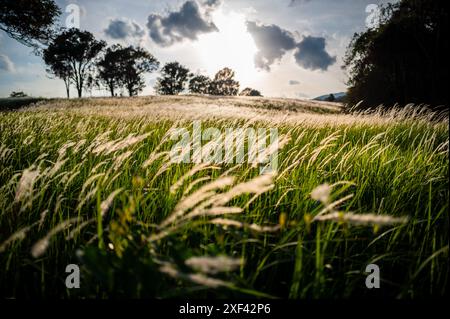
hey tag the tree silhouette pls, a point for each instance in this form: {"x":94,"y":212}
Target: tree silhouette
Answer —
{"x":173,"y":79}
{"x":250,"y":92}
{"x":224,"y":83}
{"x":125,"y":67}
{"x":108,"y":68}
{"x":199,"y":84}
{"x":73,"y":51}
{"x":17,"y":94}
{"x":60,"y":69}
{"x":404,"y":60}
{"x":29,"y":21}
{"x":133,"y":63}
{"x":331,"y":98}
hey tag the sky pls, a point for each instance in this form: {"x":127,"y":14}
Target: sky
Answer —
{"x":283,"y":48}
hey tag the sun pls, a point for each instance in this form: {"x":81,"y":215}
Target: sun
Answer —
{"x":232,"y":46}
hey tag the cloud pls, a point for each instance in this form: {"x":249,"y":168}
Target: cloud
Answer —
{"x":311,"y":54}
{"x":121,"y":29}
{"x":6,"y":64}
{"x":294,"y":82}
{"x":212,"y":4}
{"x":188,"y":22}
{"x":272,"y":42}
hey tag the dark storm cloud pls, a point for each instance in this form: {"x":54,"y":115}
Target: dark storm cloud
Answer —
{"x":186,"y":23}
{"x":311,"y":54}
{"x":272,"y":43}
{"x":122,"y":29}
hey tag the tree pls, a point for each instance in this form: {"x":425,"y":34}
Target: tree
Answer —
{"x":133,"y":63}
{"x":199,"y":84}
{"x":109,"y":68}
{"x":60,"y":69}
{"x":91,"y":83}
{"x":224,"y":83}
{"x":173,"y":79}
{"x":74,"y":51}
{"x":15,"y":94}
{"x":250,"y":92}
{"x":29,"y":21}
{"x":331,"y":98}
{"x":404,"y":60}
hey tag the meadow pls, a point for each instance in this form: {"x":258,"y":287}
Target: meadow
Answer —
{"x":89,"y":182}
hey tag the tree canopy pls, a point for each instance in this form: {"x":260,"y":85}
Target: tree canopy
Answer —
{"x":16,"y":94}
{"x":250,"y":92}
{"x":73,"y":51}
{"x":108,"y":68}
{"x":199,"y":84}
{"x":403,"y":60}
{"x":331,"y":98}
{"x":224,"y":83}
{"x":174,"y":77}
{"x":29,"y":21}
{"x":134,"y":62}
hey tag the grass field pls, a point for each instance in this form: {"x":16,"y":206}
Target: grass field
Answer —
{"x":89,"y":182}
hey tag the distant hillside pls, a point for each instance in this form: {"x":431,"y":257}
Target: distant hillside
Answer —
{"x":338,"y":96}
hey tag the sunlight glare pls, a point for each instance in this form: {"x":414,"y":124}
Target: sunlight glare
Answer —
{"x":231,"y":47}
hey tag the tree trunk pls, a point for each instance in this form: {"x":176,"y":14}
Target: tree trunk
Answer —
{"x":67,"y":83}
{"x":80,"y":85}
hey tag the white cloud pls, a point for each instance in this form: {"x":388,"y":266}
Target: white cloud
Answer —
{"x":6,"y":64}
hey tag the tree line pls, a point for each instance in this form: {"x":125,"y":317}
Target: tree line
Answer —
{"x":402,"y":60}
{"x":79,"y":59}
{"x":82,"y":61}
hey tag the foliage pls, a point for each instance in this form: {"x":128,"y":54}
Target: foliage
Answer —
{"x":17,"y":94}
{"x":250,"y":92}
{"x":174,"y":77}
{"x":134,"y":63}
{"x":109,"y":70}
{"x":29,"y":21}
{"x":125,"y":67}
{"x":224,"y":83}
{"x":60,"y":69}
{"x":71,"y":56}
{"x":199,"y":84}
{"x":404,"y":60}
{"x":331,"y":98}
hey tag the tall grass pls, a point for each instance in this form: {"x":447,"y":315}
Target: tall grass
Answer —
{"x":89,"y":182}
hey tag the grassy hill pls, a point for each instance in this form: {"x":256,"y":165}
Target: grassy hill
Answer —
{"x":92,"y":182}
